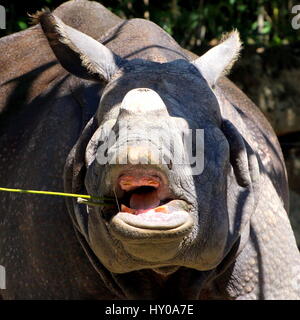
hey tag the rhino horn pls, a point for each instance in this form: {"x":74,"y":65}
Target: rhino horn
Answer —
{"x":143,"y":101}
{"x":218,"y":61}
{"x":77,"y":52}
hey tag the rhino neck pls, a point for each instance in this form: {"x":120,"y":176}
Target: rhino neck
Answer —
{"x":142,"y":39}
{"x":186,"y":284}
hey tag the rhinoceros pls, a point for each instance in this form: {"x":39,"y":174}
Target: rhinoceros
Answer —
{"x":93,"y":104}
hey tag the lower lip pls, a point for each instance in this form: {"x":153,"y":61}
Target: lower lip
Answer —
{"x":151,"y":226}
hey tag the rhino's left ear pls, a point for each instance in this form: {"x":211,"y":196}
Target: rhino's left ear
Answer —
{"x":77,"y":52}
{"x":219,"y":60}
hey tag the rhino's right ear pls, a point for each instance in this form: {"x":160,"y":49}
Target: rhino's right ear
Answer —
{"x":77,"y":52}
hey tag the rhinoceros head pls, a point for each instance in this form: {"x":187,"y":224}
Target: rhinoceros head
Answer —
{"x":158,"y":144}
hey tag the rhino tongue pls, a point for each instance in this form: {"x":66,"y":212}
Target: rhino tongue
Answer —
{"x":147,"y":200}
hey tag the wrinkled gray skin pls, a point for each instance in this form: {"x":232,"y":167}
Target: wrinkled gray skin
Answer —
{"x":232,"y":238}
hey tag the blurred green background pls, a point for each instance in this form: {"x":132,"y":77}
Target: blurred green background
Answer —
{"x":193,"y":24}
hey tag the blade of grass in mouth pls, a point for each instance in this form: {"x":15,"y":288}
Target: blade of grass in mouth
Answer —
{"x":93,"y":200}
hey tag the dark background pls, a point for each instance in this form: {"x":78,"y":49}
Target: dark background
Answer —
{"x":268,"y":70}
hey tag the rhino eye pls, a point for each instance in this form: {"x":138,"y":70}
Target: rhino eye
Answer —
{"x":170,"y":165}
{"x":106,"y":152}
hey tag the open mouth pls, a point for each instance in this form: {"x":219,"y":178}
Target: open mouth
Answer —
{"x":142,"y":194}
{"x":147,"y":207}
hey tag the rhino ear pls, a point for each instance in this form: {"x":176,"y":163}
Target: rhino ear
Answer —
{"x":219,"y":60}
{"x":77,"y":52}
